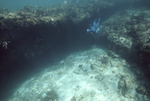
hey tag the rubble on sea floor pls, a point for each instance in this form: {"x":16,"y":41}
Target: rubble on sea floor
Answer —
{"x":94,"y":75}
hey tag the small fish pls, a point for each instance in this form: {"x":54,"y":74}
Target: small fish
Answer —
{"x":95,"y":27}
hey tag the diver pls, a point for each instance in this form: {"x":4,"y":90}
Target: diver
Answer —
{"x":94,"y":28}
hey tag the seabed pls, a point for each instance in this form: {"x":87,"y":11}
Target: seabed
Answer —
{"x":92,"y":75}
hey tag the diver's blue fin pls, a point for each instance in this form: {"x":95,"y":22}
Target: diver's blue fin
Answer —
{"x":89,"y":30}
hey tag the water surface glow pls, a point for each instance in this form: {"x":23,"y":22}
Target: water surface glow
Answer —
{"x":18,"y":4}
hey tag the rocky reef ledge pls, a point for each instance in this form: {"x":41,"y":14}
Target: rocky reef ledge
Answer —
{"x":33,"y":31}
{"x":129,"y":34}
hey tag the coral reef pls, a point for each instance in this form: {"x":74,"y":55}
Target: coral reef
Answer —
{"x":128,"y":33}
{"x":32,"y":31}
{"x":36,"y":34}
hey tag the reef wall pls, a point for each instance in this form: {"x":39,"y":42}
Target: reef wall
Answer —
{"x":128,"y":34}
{"x":33,"y":31}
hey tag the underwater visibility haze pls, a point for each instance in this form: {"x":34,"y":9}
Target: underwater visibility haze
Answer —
{"x":74,"y":50}
{"x":19,"y":4}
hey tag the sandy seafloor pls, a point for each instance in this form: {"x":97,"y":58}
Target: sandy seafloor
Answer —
{"x":92,"y":75}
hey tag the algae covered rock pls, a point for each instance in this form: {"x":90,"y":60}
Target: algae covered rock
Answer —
{"x":50,"y":96}
{"x":128,"y":33}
